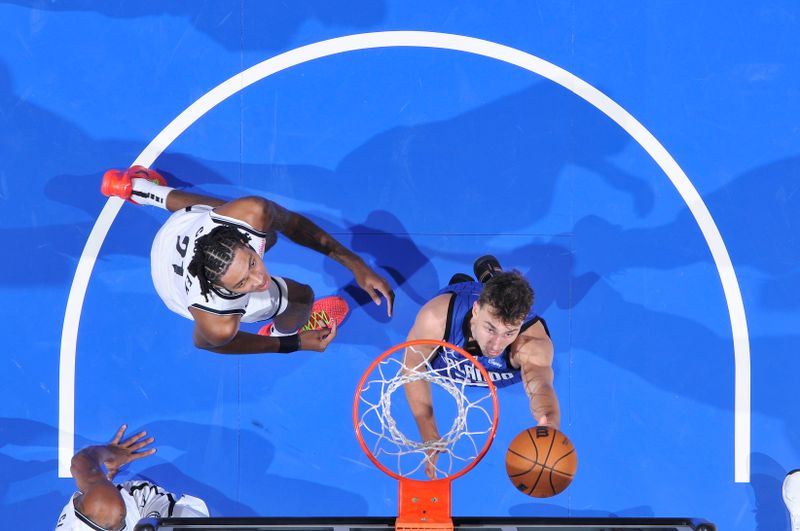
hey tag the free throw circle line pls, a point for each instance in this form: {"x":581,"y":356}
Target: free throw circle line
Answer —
{"x":421,"y":39}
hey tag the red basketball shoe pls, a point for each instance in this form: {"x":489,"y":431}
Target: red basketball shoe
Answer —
{"x":324,"y":311}
{"x":119,"y":183}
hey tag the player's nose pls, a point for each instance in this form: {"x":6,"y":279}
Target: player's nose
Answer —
{"x":261,"y":279}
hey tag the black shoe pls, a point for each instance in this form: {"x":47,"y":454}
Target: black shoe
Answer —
{"x":485,"y":267}
{"x":459,"y":278}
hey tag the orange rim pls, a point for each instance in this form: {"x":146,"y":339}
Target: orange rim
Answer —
{"x":386,"y":354}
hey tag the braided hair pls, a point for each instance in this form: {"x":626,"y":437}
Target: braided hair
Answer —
{"x":213,"y":254}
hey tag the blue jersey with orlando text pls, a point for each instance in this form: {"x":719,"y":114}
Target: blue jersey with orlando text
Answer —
{"x":457,"y":332}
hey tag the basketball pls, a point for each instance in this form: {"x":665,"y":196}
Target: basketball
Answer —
{"x":541,"y":462}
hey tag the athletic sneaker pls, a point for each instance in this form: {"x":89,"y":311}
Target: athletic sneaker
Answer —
{"x":485,"y":267}
{"x":119,"y":183}
{"x":791,"y":497}
{"x":324,"y":311}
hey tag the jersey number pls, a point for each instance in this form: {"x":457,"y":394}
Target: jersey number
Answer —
{"x":182,"y":246}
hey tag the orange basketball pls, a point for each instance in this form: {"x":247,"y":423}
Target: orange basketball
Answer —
{"x":541,"y":462}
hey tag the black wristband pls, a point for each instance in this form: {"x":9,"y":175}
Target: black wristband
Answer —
{"x":288,"y":343}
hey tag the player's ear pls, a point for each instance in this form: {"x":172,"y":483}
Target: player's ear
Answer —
{"x":475,"y":307}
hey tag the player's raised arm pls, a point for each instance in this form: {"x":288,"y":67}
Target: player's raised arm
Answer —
{"x":429,"y":324}
{"x":222,"y":335}
{"x":99,"y":499}
{"x":533,"y":350}
{"x":305,"y":232}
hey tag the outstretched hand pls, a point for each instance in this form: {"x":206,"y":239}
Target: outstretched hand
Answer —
{"x":318,"y":340}
{"x":373,"y":283}
{"x":120,"y":454}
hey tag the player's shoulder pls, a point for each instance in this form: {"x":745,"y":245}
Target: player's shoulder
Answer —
{"x":432,"y":317}
{"x":437,"y":306}
{"x":533,"y":346}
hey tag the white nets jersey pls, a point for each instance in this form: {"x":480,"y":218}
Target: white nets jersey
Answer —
{"x":172,"y":252}
{"x":142,"y":499}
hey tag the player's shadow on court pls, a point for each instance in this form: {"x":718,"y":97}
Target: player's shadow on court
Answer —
{"x":383,"y":236}
{"x":36,"y":509}
{"x":61,"y":191}
{"x":47,"y":227}
{"x":548,"y":265}
{"x":21,"y":436}
{"x":510,"y":154}
{"x":763,"y":239}
{"x":234,"y":24}
{"x":493,"y":169}
{"x":51,"y":261}
{"x":382,"y":240}
{"x":31,"y":493}
{"x":766,"y":480}
{"x":240,"y":459}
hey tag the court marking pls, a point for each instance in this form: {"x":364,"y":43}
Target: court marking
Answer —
{"x":420,"y":39}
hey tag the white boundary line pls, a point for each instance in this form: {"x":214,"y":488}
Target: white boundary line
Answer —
{"x":420,"y":39}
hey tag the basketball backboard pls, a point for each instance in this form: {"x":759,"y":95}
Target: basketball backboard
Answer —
{"x":460,"y":523}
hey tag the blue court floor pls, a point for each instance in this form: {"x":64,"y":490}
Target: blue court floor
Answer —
{"x":638,"y":161}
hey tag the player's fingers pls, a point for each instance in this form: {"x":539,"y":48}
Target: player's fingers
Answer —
{"x":141,"y":444}
{"x":543,"y":420}
{"x":388,"y":294}
{"x":139,"y":455}
{"x":373,"y":291}
{"x":328,"y":338}
{"x":130,"y":440}
{"x":118,"y":435}
{"x":430,"y":466}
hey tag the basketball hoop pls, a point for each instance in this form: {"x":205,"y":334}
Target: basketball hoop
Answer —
{"x":382,"y":432}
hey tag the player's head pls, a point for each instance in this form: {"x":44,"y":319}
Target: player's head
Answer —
{"x":498,"y":313}
{"x":222,"y":258}
{"x":101,"y":507}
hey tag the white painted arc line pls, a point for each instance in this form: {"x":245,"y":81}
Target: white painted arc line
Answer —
{"x":491,"y":50}
{"x":69,"y":334}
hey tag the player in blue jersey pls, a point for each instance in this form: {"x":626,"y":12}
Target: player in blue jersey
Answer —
{"x":492,"y":319}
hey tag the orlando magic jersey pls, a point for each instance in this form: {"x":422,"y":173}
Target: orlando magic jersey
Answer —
{"x":457,"y":332}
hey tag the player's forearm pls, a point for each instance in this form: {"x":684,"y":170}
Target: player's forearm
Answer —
{"x":544,"y":402}
{"x":418,"y":395}
{"x":305,"y":232}
{"x":244,"y":343}
{"x":86,"y":467}
{"x":426,"y":424}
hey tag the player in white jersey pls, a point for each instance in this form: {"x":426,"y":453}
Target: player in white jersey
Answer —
{"x":207,"y":265}
{"x":100,"y":505}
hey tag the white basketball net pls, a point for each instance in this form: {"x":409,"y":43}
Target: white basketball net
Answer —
{"x":407,"y":454}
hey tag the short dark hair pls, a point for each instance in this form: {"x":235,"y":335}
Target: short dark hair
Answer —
{"x":509,"y":294}
{"x":213,"y":254}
